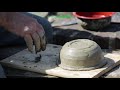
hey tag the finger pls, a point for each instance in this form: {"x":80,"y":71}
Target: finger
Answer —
{"x":37,"y":42}
{"x":29,"y":42}
{"x":44,"y":43}
{"x":43,"y":40}
{"x":41,"y":33}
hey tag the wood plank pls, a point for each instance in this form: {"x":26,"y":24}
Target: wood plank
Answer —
{"x":17,"y":73}
{"x":115,"y":73}
{"x":47,"y":65}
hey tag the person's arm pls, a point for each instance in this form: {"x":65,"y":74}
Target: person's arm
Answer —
{"x":3,"y":18}
{"x":26,"y":27}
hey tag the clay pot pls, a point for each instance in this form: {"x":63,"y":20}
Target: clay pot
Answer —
{"x":94,"y":20}
{"x":81,"y":54}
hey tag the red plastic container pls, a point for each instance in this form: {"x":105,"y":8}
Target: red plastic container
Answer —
{"x":94,"y":20}
{"x":93,"y":15}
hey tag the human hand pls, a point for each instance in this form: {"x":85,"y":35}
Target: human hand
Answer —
{"x":29,"y":29}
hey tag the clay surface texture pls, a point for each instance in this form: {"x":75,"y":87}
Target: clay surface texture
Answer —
{"x":81,"y":54}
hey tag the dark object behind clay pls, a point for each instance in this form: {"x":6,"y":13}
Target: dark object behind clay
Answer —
{"x":94,"y":24}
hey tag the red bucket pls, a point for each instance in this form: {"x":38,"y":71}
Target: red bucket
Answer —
{"x":94,"y":20}
{"x":93,"y":15}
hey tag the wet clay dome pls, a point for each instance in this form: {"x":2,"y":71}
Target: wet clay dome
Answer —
{"x":81,"y":54}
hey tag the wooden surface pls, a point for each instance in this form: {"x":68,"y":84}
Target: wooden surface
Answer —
{"x":47,"y":65}
{"x":115,"y":72}
{"x":17,"y":73}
